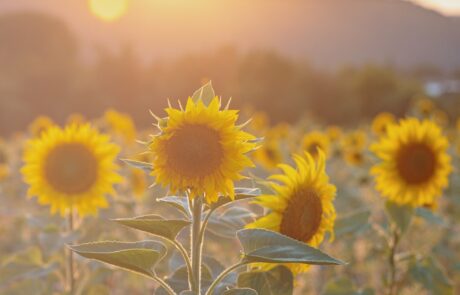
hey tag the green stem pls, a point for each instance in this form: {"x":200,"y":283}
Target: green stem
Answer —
{"x":183,"y":252}
{"x":222,"y":276}
{"x":70,"y":262}
{"x":196,"y":244}
{"x":392,"y":262}
{"x":204,"y":225}
{"x":165,"y":286}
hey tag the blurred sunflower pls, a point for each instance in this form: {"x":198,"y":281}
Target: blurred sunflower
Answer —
{"x":121,"y":125}
{"x":39,"y":125}
{"x":268,"y":154}
{"x":302,"y":206}
{"x":355,"y":140}
{"x":75,"y":118}
{"x":354,"y":157}
{"x":415,"y":165}
{"x":260,"y":122}
{"x":71,"y":168}
{"x":315,"y":140}
{"x":425,"y":107}
{"x":138,"y":182}
{"x":334,"y":133}
{"x":381,"y":122}
{"x":200,"y":150}
{"x":4,"y":167}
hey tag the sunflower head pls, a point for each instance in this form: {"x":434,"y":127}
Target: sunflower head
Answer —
{"x":269,"y":154}
{"x":121,"y":125}
{"x":302,"y":204}
{"x":355,"y":140}
{"x":200,"y":150}
{"x":39,"y":125}
{"x":334,"y":133}
{"x":71,"y":168}
{"x":354,"y":157}
{"x":425,"y":107}
{"x":381,"y":122}
{"x":414,"y":165}
{"x":314,"y":141}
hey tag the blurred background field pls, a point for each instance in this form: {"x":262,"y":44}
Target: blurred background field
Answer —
{"x":295,"y":67}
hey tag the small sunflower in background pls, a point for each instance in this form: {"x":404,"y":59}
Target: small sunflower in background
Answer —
{"x":354,"y":157}
{"x":121,"y":125}
{"x":334,"y":133}
{"x":381,"y":122}
{"x":71,"y":168}
{"x":200,"y":149}
{"x":269,"y":154}
{"x":4,"y":167}
{"x":355,"y":140}
{"x":260,"y":122}
{"x":314,"y":141}
{"x":302,"y":206}
{"x":414,"y":165}
{"x":425,"y":107}
{"x":39,"y":125}
{"x":75,"y":118}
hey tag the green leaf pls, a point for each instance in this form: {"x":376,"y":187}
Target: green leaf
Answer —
{"x":352,"y":223}
{"x":262,"y":245}
{"x":241,"y":193}
{"x":180,"y":203}
{"x":430,"y":275}
{"x":277,"y":281}
{"x":139,"y":257}
{"x":138,"y":164}
{"x":205,"y":93}
{"x":240,"y":291}
{"x":401,"y":216}
{"x":429,"y":216}
{"x":227,"y":223}
{"x":155,"y":225}
{"x":179,"y":281}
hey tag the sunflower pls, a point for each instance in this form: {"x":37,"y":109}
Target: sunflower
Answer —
{"x":76,"y":118}
{"x":200,"y":150}
{"x":354,"y":157}
{"x":39,"y":125}
{"x":334,"y":133}
{"x":138,"y":182}
{"x":302,"y":206}
{"x":315,"y":140}
{"x":269,"y":154}
{"x":381,"y":122}
{"x":425,"y":107}
{"x":71,"y":168}
{"x":4,"y":167}
{"x":121,"y":125}
{"x":415,"y":165}
{"x":355,"y":140}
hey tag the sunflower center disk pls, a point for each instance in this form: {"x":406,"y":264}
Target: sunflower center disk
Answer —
{"x":416,"y":163}
{"x":71,"y":168}
{"x":302,"y":217}
{"x":195,"y":150}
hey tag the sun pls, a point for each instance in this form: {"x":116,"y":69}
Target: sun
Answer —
{"x":108,"y":10}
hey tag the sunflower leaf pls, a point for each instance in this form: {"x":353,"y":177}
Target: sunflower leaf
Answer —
{"x":266,"y":246}
{"x":430,"y":275}
{"x":241,"y":291}
{"x":138,"y":164}
{"x":401,"y":216}
{"x":205,"y":93}
{"x":352,"y":223}
{"x":155,"y":225}
{"x":138,"y":257}
{"x":227,"y":223}
{"x":278,"y":280}
{"x":180,"y":203}
{"x":241,"y":193}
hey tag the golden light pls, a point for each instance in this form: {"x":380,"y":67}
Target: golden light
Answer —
{"x":108,"y":10}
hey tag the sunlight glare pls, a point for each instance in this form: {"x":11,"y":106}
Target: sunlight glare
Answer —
{"x":108,"y":10}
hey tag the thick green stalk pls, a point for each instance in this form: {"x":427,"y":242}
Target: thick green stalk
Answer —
{"x":392,"y":262}
{"x":196,"y":243}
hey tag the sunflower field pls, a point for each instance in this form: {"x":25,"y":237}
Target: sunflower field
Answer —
{"x":211,"y":200}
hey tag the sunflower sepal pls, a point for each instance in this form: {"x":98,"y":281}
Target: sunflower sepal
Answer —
{"x":399,"y":215}
{"x":265,"y":246}
{"x":155,"y":225}
{"x":139,"y":164}
{"x":205,"y":94}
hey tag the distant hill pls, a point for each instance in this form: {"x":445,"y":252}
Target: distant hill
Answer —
{"x":328,"y":33}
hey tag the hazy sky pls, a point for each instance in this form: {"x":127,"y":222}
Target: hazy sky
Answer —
{"x":451,"y":7}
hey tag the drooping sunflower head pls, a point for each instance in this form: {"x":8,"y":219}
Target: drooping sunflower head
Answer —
{"x":414,"y":165}
{"x":39,"y":125}
{"x":381,"y":122}
{"x":314,"y":141}
{"x":71,"y":168}
{"x":302,"y":204}
{"x":200,"y":149}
